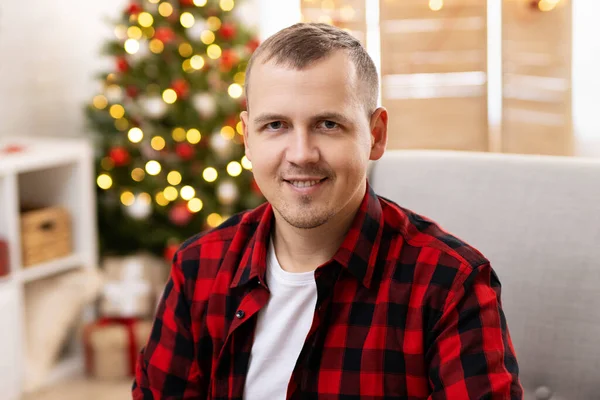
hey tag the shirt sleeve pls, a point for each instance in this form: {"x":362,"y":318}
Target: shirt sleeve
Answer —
{"x":472,"y":356}
{"x":166,"y":366}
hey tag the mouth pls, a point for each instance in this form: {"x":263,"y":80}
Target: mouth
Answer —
{"x":305,"y":184}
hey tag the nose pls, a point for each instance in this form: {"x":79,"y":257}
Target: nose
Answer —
{"x":302,"y":148}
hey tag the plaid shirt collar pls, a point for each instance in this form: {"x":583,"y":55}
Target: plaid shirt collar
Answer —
{"x":358,"y":252}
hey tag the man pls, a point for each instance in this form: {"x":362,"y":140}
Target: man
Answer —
{"x":327,"y":291}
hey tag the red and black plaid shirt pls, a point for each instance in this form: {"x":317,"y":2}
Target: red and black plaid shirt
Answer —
{"x":404,"y":311}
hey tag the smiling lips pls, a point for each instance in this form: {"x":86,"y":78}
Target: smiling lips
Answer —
{"x":304,"y":183}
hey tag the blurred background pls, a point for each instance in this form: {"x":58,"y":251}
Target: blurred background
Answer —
{"x":120,"y":138}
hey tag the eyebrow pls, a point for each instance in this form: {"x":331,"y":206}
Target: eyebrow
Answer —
{"x":329,"y":115}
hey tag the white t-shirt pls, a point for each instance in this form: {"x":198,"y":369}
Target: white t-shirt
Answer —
{"x":281,"y":331}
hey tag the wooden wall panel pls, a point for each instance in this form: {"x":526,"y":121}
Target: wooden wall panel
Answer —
{"x":434,"y":81}
{"x":536,"y":104}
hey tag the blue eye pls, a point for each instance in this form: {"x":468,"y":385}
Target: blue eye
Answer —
{"x":275,"y":125}
{"x":330,"y":124}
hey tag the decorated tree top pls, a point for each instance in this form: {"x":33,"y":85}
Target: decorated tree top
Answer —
{"x":170,"y":160}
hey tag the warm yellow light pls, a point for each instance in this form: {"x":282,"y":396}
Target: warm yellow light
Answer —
{"x":174,"y":178}
{"x":246,"y":163}
{"x":145,"y":19}
{"x":235,"y":90}
{"x":127,"y":198}
{"x":122,"y":124}
{"x":213,"y":23}
{"x":158,"y":143}
{"x":187,"y":20}
{"x":148,"y":32}
{"x":156,"y":46}
{"x":100,"y":102}
{"x":214,"y":220}
{"x":200,"y":3}
{"x":185,"y":49}
{"x":187,"y":192}
{"x":170,"y":193}
{"x":153,"y":167}
{"x":135,"y":135}
{"x":186,"y":65}
{"x":195,"y":205}
{"x":197,"y":62}
{"x":210,"y":174}
{"x":240,"y":78}
{"x":213,"y":51}
{"x":138,"y":174}
{"x":228,"y":132}
{"x":134,"y":32}
{"x":193,"y":136}
{"x":548,"y":5}
{"x":169,"y":96}
{"x":436,"y":5}
{"x":239,"y":128}
{"x":226,"y":5}
{"x":160,"y":199}
{"x":234,"y":168}
{"x":207,"y":37}
{"x":132,"y":46}
{"x":104,"y":181}
{"x":117,"y":111}
{"x":179,"y":134}
{"x":107,"y":164}
{"x":144,"y":198}
{"x":165,"y":9}
{"x":153,"y":1}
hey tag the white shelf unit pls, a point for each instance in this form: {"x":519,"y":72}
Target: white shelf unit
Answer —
{"x":46,"y":172}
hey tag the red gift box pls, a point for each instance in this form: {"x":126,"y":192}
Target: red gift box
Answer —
{"x":112,"y":346}
{"x":4,"y":269}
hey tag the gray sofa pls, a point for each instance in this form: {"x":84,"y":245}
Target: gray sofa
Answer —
{"x":537,"y":219}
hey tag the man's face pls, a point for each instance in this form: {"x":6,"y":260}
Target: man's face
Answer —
{"x":309,"y":139}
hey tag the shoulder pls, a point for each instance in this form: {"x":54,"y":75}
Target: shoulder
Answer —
{"x":425,"y":240}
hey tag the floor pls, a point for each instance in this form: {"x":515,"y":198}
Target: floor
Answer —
{"x":87,"y":389}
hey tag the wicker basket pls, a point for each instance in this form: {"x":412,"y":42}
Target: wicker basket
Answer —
{"x":45,"y":235}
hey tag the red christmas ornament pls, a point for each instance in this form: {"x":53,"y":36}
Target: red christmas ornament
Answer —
{"x":186,"y":3}
{"x":132,"y":91}
{"x":134,"y":9}
{"x":119,"y":156}
{"x":179,"y":214}
{"x":164,"y":34}
{"x":169,"y":251}
{"x":122,"y":64}
{"x":181,"y":87}
{"x":228,"y":31}
{"x":252,"y":44}
{"x":228,"y":59}
{"x":185,"y":151}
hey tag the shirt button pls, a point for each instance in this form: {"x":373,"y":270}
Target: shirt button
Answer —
{"x":240,"y":314}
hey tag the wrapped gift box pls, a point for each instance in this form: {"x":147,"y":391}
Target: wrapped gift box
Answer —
{"x":112,"y":346}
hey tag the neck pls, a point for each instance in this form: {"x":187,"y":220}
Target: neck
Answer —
{"x":304,"y":250}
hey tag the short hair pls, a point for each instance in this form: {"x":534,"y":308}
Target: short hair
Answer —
{"x":301,"y":44}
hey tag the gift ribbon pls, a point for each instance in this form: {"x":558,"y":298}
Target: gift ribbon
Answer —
{"x":128,"y":324}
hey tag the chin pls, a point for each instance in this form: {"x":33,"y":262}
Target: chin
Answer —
{"x":305,"y":219}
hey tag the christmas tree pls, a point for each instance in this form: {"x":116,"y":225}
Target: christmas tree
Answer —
{"x":170,"y":156}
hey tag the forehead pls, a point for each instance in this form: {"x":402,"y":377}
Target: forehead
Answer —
{"x":329,"y":83}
